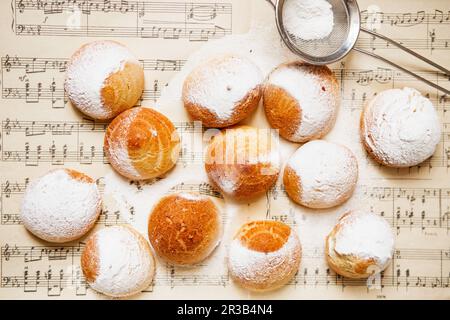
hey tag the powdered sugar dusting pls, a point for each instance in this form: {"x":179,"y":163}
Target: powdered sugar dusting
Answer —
{"x":58,"y":208}
{"x":314,"y":95}
{"x":401,"y":127}
{"x":365,"y":235}
{"x":88,"y":71}
{"x":308,"y":19}
{"x":327,"y":171}
{"x":223,"y":82}
{"x":119,"y":147}
{"x":125,"y":266}
{"x":192,"y":196}
{"x":258,"y":266}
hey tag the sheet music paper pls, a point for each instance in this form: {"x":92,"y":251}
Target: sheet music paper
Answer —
{"x":40,"y":131}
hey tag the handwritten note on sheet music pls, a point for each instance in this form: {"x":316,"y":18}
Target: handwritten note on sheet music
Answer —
{"x":40,"y":130}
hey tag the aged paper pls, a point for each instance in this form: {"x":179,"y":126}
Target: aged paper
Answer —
{"x":41,"y":130}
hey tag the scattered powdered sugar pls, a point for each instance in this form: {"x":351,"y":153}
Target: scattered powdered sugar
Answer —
{"x":88,"y":71}
{"x":118,"y":149}
{"x":125,"y":266}
{"x":308,"y":19}
{"x":365,"y":235}
{"x":223,"y":82}
{"x":327,"y":172}
{"x":262,"y":45}
{"x":319,"y":106}
{"x":58,"y":208}
{"x":192,"y":196}
{"x":402,"y":127}
{"x":258,"y":266}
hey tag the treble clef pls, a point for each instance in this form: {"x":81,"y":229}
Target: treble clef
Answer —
{"x":20,"y":6}
{"x":7,"y":63}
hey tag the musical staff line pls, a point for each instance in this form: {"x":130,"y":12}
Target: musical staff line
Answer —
{"x":141,"y":19}
{"x":56,"y":279}
{"x":42,"y":79}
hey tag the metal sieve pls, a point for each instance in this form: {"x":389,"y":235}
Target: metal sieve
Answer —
{"x":342,"y":39}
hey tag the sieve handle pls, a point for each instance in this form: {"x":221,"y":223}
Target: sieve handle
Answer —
{"x":415,"y":75}
{"x":415,"y":54}
{"x":273,"y":4}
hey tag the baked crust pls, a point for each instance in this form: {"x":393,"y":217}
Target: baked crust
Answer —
{"x":248,"y":179}
{"x":150,"y":140}
{"x":284,"y":112}
{"x":264,"y":236}
{"x":292,"y":184}
{"x":241,"y":110}
{"x":346,"y":265}
{"x":184,"y":230}
{"x":89,"y":260}
{"x":276,"y":267}
{"x":121,"y":89}
{"x":90,"y":263}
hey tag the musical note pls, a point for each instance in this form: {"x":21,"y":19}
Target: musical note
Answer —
{"x":172,"y":20}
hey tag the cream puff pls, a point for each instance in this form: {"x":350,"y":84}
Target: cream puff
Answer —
{"x":184,"y":228}
{"x":321,"y":174}
{"x":61,"y":206}
{"x":103,"y":79}
{"x":142,"y":144}
{"x":301,"y":101}
{"x":117,"y":261}
{"x":360,"y":245}
{"x":243,"y":162}
{"x":223,"y":91}
{"x":264,"y":255}
{"x":400,"y":128}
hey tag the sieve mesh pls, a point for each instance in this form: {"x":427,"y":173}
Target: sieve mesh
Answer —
{"x":329,"y":45}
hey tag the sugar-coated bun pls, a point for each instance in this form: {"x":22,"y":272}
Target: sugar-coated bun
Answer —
{"x":185,"y":228}
{"x":61,"y":206}
{"x":321,"y":174}
{"x":141,"y":144}
{"x":103,"y":79}
{"x":117,"y":261}
{"x":301,"y":100}
{"x":400,"y":128}
{"x":223,"y":91}
{"x":243,"y":162}
{"x":264,"y":255}
{"x":361,"y":244}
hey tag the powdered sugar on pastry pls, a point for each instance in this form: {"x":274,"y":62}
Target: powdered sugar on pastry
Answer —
{"x":367,"y":236}
{"x":315,"y":97}
{"x":125,"y":263}
{"x":59,"y":208}
{"x":257,"y":266}
{"x":83,"y":85}
{"x":120,"y":149}
{"x":327,"y":173}
{"x":400,"y":127}
{"x":223,"y":82}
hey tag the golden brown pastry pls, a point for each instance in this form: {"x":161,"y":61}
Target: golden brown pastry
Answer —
{"x":361,"y":244}
{"x":223,"y":91}
{"x":117,"y":261}
{"x":400,"y":128}
{"x":301,"y":100}
{"x":61,"y":206}
{"x":264,"y":255}
{"x":103,"y":79}
{"x":184,"y":228}
{"x":243,"y":162}
{"x":141,"y":144}
{"x":321,"y":174}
